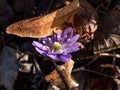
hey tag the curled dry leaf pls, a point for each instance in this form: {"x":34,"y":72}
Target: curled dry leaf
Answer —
{"x":117,"y":82}
{"x":43,"y":26}
{"x":52,"y":87}
{"x":56,"y":79}
{"x":85,"y":21}
{"x":107,"y":37}
{"x":84,"y":27}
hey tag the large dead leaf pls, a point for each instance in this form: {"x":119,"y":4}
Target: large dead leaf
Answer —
{"x":107,"y":37}
{"x":56,"y":79}
{"x":8,"y":67}
{"x":43,"y":26}
{"x":85,"y":21}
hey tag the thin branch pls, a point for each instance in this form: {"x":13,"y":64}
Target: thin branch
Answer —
{"x":94,"y":59}
{"x":36,"y":66}
{"x":91,"y":71}
{"x":49,"y":6}
{"x":94,"y":9}
{"x":110,"y":55}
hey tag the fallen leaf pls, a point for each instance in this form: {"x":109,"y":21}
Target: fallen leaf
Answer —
{"x":85,"y":21}
{"x":85,"y":27}
{"x":52,"y":87}
{"x":8,"y":67}
{"x":43,"y":26}
{"x":55,"y":78}
{"x":118,"y":83}
{"x":107,"y":37}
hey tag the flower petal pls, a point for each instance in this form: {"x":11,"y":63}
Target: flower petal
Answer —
{"x":54,"y":37}
{"x":74,"y":39}
{"x":58,"y":51}
{"x":67,"y":34}
{"x":37,"y":44}
{"x":53,"y":56}
{"x":67,"y":42}
{"x":59,"y":37}
{"x":65,"y":57}
{"x":71,"y":48}
{"x":46,"y":41}
{"x":42,"y":52}
{"x":40,"y":46}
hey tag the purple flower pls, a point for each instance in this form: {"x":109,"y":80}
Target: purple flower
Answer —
{"x":58,"y":46}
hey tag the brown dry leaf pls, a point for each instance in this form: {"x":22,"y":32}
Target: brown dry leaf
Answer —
{"x":65,"y":69}
{"x":85,"y":21}
{"x":107,"y":37}
{"x":118,"y":83}
{"x":43,"y":26}
{"x":52,"y":87}
{"x":8,"y":67}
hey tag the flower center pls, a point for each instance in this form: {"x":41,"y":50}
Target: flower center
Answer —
{"x":56,"y":46}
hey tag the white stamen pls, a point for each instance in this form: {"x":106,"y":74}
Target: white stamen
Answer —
{"x":66,"y":36}
{"x":43,"y":42}
{"x":58,"y":36}
{"x":49,"y":39}
{"x":45,"y":48}
{"x":68,"y":40}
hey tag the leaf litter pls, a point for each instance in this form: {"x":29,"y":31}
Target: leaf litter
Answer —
{"x":94,"y":67}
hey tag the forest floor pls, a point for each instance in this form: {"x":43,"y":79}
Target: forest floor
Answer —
{"x":95,"y":66}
